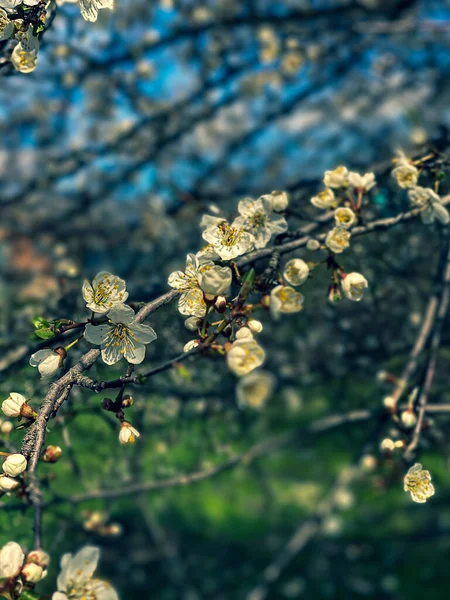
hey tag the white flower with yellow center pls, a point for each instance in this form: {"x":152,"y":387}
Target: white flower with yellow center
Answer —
{"x":336,"y":179}
{"x":215,"y":280}
{"x":418,"y":483}
{"x":296,"y":271}
{"x":121,"y":336}
{"x":405,"y":173}
{"x":253,"y":390}
{"x":344,"y":217}
{"x":337,"y":240}
{"x":128,"y":434}
{"x":75,"y":581}
{"x":228,"y":241}
{"x":191,"y":301}
{"x":106,"y":291}
{"x":361,"y":183}
{"x":284,"y":299}
{"x":258,"y":219}
{"x":24,"y":55}
{"x":430,"y":205}
{"x":245,"y":355}
{"x":6,"y":26}
{"x":47,"y":361}
{"x":354,"y":285}
{"x":325,"y":199}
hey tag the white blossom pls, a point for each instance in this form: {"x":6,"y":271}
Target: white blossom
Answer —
{"x":336,"y":179}
{"x":38,"y":557}
{"x":405,"y":173}
{"x":24,"y":55}
{"x":296,"y":271}
{"x":191,"y":345}
{"x":353,"y":286}
{"x":215,"y":280}
{"x":253,"y":390}
{"x":337,"y":240}
{"x":11,"y":560}
{"x":278,"y":199}
{"x":6,"y":427}
{"x":14,"y":465}
{"x":89,"y":8}
{"x":191,"y":301}
{"x":418,"y":483}
{"x":7,"y":484}
{"x":121,"y":336}
{"x":128,"y":434}
{"x":430,"y":205}
{"x":75,"y":581}
{"x":245,"y":355}
{"x":361,"y":183}
{"x":325,"y":199}
{"x":255,"y":326}
{"x":313,"y":245}
{"x":258,"y":219}
{"x":408,"y":418}
{"x":6,"y":26}
{"x":228,"y":241}
{"x":106,"y":291}
{"x":284,"y":299}
{"x":191,"y":323}
{"x":344,"y":217}
{"x":31,"y":573}
{"x":47,"y":361}
{"x":13,"y":404}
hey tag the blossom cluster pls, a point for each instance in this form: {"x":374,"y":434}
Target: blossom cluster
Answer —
{"x":425,"y":199}
{"x":19,"y":573}
{"x":15,"y":17}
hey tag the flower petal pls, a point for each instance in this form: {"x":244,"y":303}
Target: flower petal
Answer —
{"x":96,"y":334}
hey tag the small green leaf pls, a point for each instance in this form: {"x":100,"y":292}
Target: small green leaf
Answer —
{"x":29,"y":595}
{"x":40,"y":322}
{"x":247,"y":284}
{"x":45,"y":334}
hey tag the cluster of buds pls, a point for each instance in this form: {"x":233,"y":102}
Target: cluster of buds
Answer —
{"x":17,"y":573}
{"x":97,"y":521}
{"x":13,"y":466}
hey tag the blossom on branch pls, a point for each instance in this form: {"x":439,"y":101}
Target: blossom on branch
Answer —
{"x":253,"y":390}
{"x":76,"y":582}
{"x":228,"y":241}
{"x":337,"y":240}
{"x":336,"y":179}
{"x":361,"y":183}
{"x":353,"y":286}
{"x":418,"y":483}
{"x":344,"y":217}
{"x":430,"y":205}
{"x":47,"y":361}
{"x":258,"y":219}
{"x":121,"y":336}
{"x":325,"y":199}
{"x":89,"y":8}
{"x":106,"y":291}
{"x":14,"y":465}
{"x":296,"y":271}
{"x":284,"y":299}
{"x":16,"y":406}
{"x":245,"y":354}
{"x":128,"y":434}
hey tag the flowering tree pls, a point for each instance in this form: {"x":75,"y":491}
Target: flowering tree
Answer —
{"x":218,"y":329}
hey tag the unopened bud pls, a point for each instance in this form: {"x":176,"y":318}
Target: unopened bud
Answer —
{"x":255,"y":326}
{"x":31,"y":573}
{"x":62,"y":352}
{"x":334,"y":293}
{"x":312,"y":245}
{"x":6,"y":427}
{"x":389,"y":403}
{"x":408,"y":418}
{"x":220,"y":304}
{"x":228,"y":330}
{"x":7,"y":484}
{"x":387,"y":446}
{"x":52,"y":454}
{"x":107,"y":404}
{"x":127,"y":401}
{"x":38,"y":557}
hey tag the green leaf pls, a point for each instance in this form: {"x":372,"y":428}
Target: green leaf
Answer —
{"x":247,"y":284}
{"x":29,"y":595}
{"x":40,"y":322}
{"x":45,"y":334}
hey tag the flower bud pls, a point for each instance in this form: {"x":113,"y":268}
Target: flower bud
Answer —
{"x":127,"y":401}
{"x":14,"y":465}
{"x":408,"y":418}
{"x":334,"y":293}
{"x":7,"y":484}
{"x":387,"y":446}
{"x":389,"y":403}
{"x":255,"y":326}
{"x":191,"y":323}
{"x":6,"y":427}
{"x":31,"y":573}
{"x":313,"y":245}
{"x":127,"y":433}
{"x":48,"y":361}
{"x":38,"y":557}
{"x":12,"y":406}
{"x":220,"y":304}
{"x":280,"y":200}
{"x":52,"y":454}
{"x":191,"y":345}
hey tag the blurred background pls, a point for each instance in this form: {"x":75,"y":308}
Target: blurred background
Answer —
{"x":110,"y":152}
